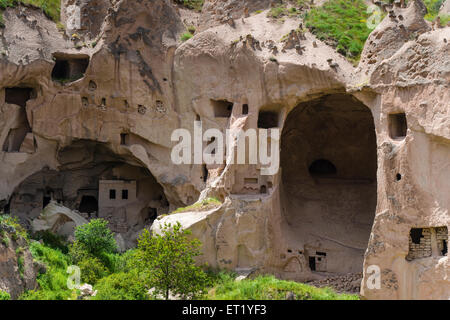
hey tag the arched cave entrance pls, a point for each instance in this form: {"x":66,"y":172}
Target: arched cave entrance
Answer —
{"x":329,"y":188}
{"x":89,"y":205}
{"x":97,"y":183}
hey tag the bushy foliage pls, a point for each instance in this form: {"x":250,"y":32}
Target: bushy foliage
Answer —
{"x":121,"y":286}
{"x":92,"y":270}
{"x":95,"y":237}
{"x":52,"y":240}
{"x":4,"y":295}
{"x":433,"y":7}
{"x":342,"y":24}
{"x":94,"y":251}
{"x":166,"y":262}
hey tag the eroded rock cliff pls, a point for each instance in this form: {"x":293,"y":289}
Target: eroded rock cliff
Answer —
{"x":87,"y":117}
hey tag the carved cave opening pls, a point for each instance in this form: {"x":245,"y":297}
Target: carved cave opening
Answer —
{"x":69,"y":68}
{"x":268,"y":119}
{"x":427,"y":242}
{"x":20,"y":130}
{"x":222,"y":108}
{"x":398,"y":126}
{"x":328,"y":186}
{"x":88,"y":173}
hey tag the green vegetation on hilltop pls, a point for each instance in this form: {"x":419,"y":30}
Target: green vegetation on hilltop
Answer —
{"x":52,"y":8}
{"x":342,"y":24}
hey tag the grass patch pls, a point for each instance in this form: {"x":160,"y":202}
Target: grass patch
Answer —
{"x":207,"y":204}
{"x":341,"y":24}
{"x":276,"y":12}
{"x":51,"y":8}
{"x":269,"y":288}
{"x":53,"y":283}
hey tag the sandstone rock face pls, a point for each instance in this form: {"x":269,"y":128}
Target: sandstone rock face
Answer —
{"x":215,"y":12}
{"x":87,"y":120}
{"x":445,"y":8}
{"x":17,"y":269}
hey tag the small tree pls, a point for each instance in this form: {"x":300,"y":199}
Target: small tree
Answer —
{"x":166,"y":262}
{"x":96,"y":237}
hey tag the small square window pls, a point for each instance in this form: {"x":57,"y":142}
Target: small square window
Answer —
{"x":125,"y":194}
{"x":222,"y":108}
{"x":267,"y":119}
{"x":397,"y":125}
{"x":245,"y":109}
{"x":112,"y":194}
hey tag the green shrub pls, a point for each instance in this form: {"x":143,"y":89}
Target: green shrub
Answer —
{"x":95,"y":237}
{"x":186,"y":36}
{"x":121,"y":286}
{"x":52,"y":240}
{"x":116,"y":263}
{"x":4,"y":295}
{"x":166,"y":262}
{"x":91,"y":270}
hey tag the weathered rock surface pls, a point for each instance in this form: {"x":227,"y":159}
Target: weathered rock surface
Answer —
{"x":18,"y":271}
{"x":87,"y":120}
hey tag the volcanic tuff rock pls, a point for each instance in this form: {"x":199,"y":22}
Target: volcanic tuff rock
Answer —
{"x":86,"y":118}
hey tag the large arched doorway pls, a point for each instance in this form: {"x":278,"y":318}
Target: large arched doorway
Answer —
{"x":329,"y":188}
